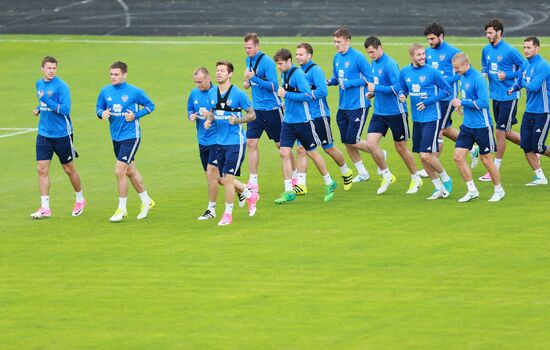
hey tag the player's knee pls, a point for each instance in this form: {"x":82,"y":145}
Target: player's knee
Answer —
{"x":458,"y":157}
{"x":69,"y":169}
{"x":301,"y":151}
{"x":42,"y":170}
{"x":119,"y":172}
{"x":425,"y":156}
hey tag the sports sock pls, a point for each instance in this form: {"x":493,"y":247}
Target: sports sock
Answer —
{"x":471,"y":186}
{"x":122,"y":203}
{"x":79,"y":196}
{"x":327,"y":179}
{"x":45,"y":200}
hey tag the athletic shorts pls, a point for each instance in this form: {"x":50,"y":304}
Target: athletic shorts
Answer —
{"x":425,"y":137}
{"x":230,"y":159}
{"x":482,"y":136}
{"x":62,"y":146}
{"x":505,"y":114}
{"x":447,"y":110}
{"x":209,"y":155}
{"x":533,"y":133}
{"x":302,"y":132}
{"x":399,"y":125}
{"x":323,"y":131}
{"x":125,"y":150}
{"x":268,"y":121}
{"x":351,"y":124}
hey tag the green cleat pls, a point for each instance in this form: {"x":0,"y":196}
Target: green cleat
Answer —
{"x":329,"y":190}
{"x":348,"y":180}
{"x":286,"y":197}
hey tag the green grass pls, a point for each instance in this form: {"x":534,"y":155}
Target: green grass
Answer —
{"x":361,"y":272}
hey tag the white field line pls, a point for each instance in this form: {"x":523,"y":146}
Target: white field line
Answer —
{"x":16,"y":131}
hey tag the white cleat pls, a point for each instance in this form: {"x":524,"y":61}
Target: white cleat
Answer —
{"x":469,"y":196}
{"x":361,"y":177}
{"x":118,"y":215}
{"x":474,"y":155}
{"x":485,"y":178}
{"x":422,"y":173}
{"x":538,"y":181}
{"x":497,"y":196}
{"x":42,"y":213}
{"x":145,"y":210}
{"x":385,"y":184}
{"x":242,"y":200}
{"x":207,"y":215}
{"x":414,"y":186}
{"x":378,"y":171}
{"x":438,"y":193}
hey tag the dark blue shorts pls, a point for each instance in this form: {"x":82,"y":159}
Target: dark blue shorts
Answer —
{"x":125,"y":150}
{"x":62,"y":146}
{"x":323,"y":131}
{"x":268,"y":121}
{"x":209,"y":155}
{"x":482,"y":136}
{"x":505,"y":114}
{"x":425,"y":137}
{"x":351,"y":124}
{"x":230,"y":159}
{"x":398,"y":124}
{"x":447,"y":110}
{"x":303,"y":132}
{"x":534,"y":130}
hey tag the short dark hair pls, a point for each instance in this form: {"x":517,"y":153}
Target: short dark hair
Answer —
{"x":253,"y":37}
{"x":202,"y":70}
{"x":48,"y":59}
{"x":372,"y":41}
{"x":120,"y":65}
{"x":282,"y":54}
{"x":435,"y":29}
{"x":534,"y":40}
{"x":342,"y":32}
{"x":305,"y":46}
{"x":496,"y":24}
{"x":228,"y":64}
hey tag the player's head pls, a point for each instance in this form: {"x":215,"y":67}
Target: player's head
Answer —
{"x":494,"y":30}
{"x":224,"y":71}
{"x":304,"y":52}
{"x":49,"y":67}
{"x":461,"y":63}
{"x":342,"y":39}
{"x":251,"y":44}
{"x":435,"y":34}
{"x":118,"y":72}
{"x":418,"y":55}
{"x":283,"y":59}
{"x":373,"y":46}
{"x":531,"y":46}
{"x":201,"y":78}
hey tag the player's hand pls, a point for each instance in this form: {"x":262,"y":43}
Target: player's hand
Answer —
{"x":36,"y":112}
{"x":369,"y":95}
{"x":402,"y":98}
{"x":341,"y":83}
{"x":246,"y":83}
{"x":129,"y":115}
{"x":249,"y":74}
{"x":511,"y":91}
{"x":281,"y":92}
{"x":501,"y":75}
{"x":420,"y":106}
{"x":370,"y":86}
{"x":484,"y":74}
{"x":193,"y":117}
{"x":106,"y":114}
{"x":456,"y":103}
{"x":207,"y":124}
{"x":233,"y":120}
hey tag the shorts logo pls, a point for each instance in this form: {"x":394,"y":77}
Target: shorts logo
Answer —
{"x":124,"y":98}
{"x":416,"y":87}
{"x":487,"y":149}
{"x":231,"y":170}
{"x":429,"y":148}
{"x":503,"y":126}
{"x":124,"y":158}
{"x":312,"y":145}
{"x":117,"y":108}
{"x":215,"y":161}
{"x":69,"y":158}
{"x":442,"y":57}
{"x":538,"y":130}
{"x":357,"y":120}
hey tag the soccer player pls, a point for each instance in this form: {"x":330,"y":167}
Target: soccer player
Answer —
{"x":197,"y":103}
{"x":535,"y":78}
{"x":501,"y":62}
{"x":389,"y":113}
{"x":261,"y":77}
{"x":55,"y":135}
{"x":426,"y":86}
{"x":120,"y":103}
{"x":476,"y":127}
{"x":439,"y":55}
{"x":320,"y":112}
{"x":351,"y":71}
{"x":227,"y":103}
{"x":298,"y":125}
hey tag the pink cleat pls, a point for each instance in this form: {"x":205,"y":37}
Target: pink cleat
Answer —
{"x":79,"y":208}
{"x":254,"y":197}
{"x":41,"y":213}
{"x":227,"y":219}
{"x":253,"y":187}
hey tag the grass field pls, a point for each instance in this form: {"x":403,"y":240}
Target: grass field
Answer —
{"x":361,"y":272}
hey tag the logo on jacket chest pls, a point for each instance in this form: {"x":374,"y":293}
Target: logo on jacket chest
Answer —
{"x":422,"y":78}
{"x":124,"y":98}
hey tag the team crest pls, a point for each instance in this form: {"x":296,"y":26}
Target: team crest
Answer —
{"x":442,"y":57}
{"x":380,"y":72}
{"x":499,"y":58}
{"x":49,"y":92}
{"x":124,"y":98}
{"x":346,"y":64}
{"x":422,"y":78}
{"x":467,"y":86}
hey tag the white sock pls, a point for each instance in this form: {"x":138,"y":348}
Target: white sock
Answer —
{"x":437,"y":183}
{"x":444,"y":176}
{"x":540,"y":173}
{"x":344,"y":169}
{"x":295,"y":174}
{"x":327,"y":178}
{"x":498,"y":188}
{"x":246,"y":193}
{"x":45,"y":201}
{"x":79,"y":196}
{"x":212,"y":206}
{"x":415,"y":176}
{"x":360,"y":167}
{"x":144,"y":197}
{"x":229,"y":208}
{"x":288,"y":185}
{"x":498,"y":162}
{"x":471,"y":186}
{"x":122,"y":203}
{"x":302,"y":177}
{"x":253,"y":179}
{"x":386,"y":174}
